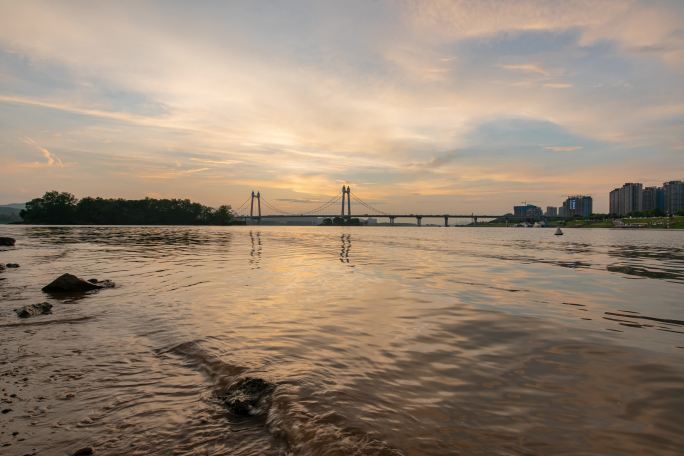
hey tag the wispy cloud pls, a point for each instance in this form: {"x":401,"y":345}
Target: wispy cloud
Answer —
{"x":563,"y":148}
{"x":526,"y":68}
{"x":557,"y":85}
{"x":51,"y":160}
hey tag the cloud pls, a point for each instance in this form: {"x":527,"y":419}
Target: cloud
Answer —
{"x":170,"y":174}
{"x":395,"y":99}
{"x":563,"y":148}
{"x":527,"y":68}
{"x":217,"y":162}
{"x":51,"y":160}
{"x":557,"y":85}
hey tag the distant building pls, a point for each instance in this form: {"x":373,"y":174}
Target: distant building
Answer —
{"x":660,"y":199}
{"x":578,"y":206}
{"x":673,"y":196}
{"x":528,"y":211}
{"x":551,"y":211}
{"x":649,"y":200}
{"x":561,"y":211}
{"x":614,"y":202}
{"x":631,"y":198}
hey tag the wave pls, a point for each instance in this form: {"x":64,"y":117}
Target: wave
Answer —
{"x":276,"y":406}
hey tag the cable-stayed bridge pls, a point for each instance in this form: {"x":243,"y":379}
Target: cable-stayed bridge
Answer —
{"x":341,"y":205}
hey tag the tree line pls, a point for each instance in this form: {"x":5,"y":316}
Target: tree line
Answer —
{"x":63,"y":208}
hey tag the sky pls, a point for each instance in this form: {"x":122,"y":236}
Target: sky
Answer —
{"x":419,"y":106}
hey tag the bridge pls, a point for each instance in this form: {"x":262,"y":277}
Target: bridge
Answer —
{"x":344,"y":199}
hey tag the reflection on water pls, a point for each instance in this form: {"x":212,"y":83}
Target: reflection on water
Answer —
{"x":346,"y":247}
{"x":255,"y":254}
{"x":417,"y":341}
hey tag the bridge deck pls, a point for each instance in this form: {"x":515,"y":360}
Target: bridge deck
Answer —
{"x":454,"y":216}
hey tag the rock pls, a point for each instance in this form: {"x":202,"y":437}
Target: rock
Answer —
{"x":12,"y":265}
{"x":6,"y":411}
{"x":103,"y":283}
{"x":69,"y":283}
{"x":87,"y":451}
{"x":7,"y":241}
{"x":34,"y":309}
{"x":247,"y":397}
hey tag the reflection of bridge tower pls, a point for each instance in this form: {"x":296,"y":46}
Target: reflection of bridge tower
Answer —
{"x":346,"y":246}
{"x":346,"y":192}
{"x":251,"y":207}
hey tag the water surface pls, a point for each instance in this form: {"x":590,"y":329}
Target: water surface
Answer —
{"x":424,"y":341}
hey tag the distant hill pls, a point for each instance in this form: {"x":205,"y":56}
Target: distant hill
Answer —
{"x":10,"y":213}
{"x":15,"y":205}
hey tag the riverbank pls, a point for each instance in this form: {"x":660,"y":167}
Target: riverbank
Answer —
{"x":659,"y":223}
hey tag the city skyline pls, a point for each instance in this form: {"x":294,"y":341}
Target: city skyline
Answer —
{"x":432,"y":105}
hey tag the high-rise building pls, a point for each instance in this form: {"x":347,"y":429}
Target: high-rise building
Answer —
{"x":528,"y":211}
{"x":614,"y":202}
{"x":649,"y":199}
{"x":551,"y":211}
{"x":631,"y":198}
{"x":660,"y":199}
{"x":578,"y":206}
{"x":674,"y":196}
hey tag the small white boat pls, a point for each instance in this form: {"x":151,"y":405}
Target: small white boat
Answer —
{"x":558,"y":232}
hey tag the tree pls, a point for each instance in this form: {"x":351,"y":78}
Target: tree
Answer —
{"x":64,"y":208}
{"x":53,"y":207}
{"x":222,"y":216}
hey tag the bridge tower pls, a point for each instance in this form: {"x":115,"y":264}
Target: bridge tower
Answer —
{"x":256,"y":196}
{"x":346,"y":192}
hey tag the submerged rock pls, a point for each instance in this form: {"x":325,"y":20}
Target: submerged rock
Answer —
{"x":34,"y":309}
{"x":70,"y":283}
{"x":248,"y":396}
{"x":87,"y":451}
{"x":7,"y":240}
{"x":12,"y":265}
{"x":103,"y":283}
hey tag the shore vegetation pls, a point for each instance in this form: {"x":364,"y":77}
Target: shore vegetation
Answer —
{"x":65,"y":209}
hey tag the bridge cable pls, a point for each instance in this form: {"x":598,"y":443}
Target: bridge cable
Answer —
{"x":237,"y":211}
{"x":368,"y":206}
{"x":309,"y":212}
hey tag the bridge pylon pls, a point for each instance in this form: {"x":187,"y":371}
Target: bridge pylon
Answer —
{"x":346,"y":192}
{"x":256,"y":196}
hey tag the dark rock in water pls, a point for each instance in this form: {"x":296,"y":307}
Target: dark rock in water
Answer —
{"x":7,"y":241}
{"x":103,"y":283}
{"x":70,"y":283}
{"x":247,"y":397}
{"x":12,"y":265}
{"x":87,"y":451}
{"x":2,"y":267}
{"x":34,"y":309}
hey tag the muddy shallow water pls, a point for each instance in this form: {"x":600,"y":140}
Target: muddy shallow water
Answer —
{"x":424,"y":341}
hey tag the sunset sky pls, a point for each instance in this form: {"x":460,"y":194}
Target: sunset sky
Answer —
{"x":458,"y":106}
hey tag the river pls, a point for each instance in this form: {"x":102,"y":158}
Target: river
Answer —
{"x":377,"y":340}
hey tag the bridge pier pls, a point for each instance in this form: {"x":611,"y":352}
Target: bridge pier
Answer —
{"x":446,"y":221}
{"x":392,"y":220}
{"x":419,"y":220}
